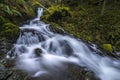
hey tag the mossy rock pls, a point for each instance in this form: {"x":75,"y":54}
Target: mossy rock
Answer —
{"x":107,"y":47}
{"x":57,"y":13}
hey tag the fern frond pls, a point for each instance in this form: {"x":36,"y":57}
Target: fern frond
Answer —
{"x":16,"y":13}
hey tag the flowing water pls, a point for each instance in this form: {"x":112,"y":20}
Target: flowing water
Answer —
{"x":40,"y":51}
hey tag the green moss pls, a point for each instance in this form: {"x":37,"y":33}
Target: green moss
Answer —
{"x":14,"y":12}
{"x":81,"y":18}
{"x":107,"y":47}
{"x":88,"y":38}
{"x":57,"y":13}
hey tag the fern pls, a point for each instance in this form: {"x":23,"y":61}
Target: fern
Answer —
{"x":10,"y":11}
{"x":5,"y":8}
{"x":16,"y":13}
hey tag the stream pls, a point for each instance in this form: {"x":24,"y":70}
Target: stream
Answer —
{"x":39,"y":51}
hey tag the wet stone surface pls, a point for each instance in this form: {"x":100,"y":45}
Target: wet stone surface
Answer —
{"x":37,"y":52}
{"x":79,"y":73}
{"x":8,"y":74}
{"x":71,"y":72}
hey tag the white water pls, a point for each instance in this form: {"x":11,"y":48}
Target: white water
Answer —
{"x":38,"y":51}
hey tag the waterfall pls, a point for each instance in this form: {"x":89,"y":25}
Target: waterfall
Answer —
{"x":39,"y":51}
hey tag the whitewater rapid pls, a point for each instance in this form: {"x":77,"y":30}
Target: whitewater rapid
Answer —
{"x":39,"y":50}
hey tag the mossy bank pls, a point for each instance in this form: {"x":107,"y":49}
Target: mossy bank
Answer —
{"x":97,"y":21}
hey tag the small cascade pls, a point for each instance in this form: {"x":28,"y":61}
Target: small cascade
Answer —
{"x":40,"y":51}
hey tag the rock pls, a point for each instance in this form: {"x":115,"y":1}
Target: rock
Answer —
{"x":90,"y":76}
{"x":79,"y":73}
{"x":37,"y":52}
{"x":5,"y":46}
{"x":66,"y":48}
{"x":2,"y":66}
{"x":12,"y":74}
{"x":22,"y":49}
{"x":18,"y":75}
{"x":5,"y":74}
{"x":57,"y":30}
{"x":9,"y":63}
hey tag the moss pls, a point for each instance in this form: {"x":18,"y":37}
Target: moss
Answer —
{"x":54,"y":24}
{"x":79,"y":17}
{"x":88,"y":38}
{"x":14,"y":12}
{"x":57,"y":13}
{"x":107,"y":47}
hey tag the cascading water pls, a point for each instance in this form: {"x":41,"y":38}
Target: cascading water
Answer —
{"x":39,"y":51}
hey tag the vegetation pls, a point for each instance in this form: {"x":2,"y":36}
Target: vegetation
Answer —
{"x":92,"y":20}
{"x":108,"y":47}
{"x":97,"y":21}
{"x":57,"y":13}
{"x":12,"y":13}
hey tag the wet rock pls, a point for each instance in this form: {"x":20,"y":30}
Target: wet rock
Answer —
{"x":90,"y":76}
{"x":66,"y":48}
{"x":38,"y":52}
{"x":2,"y":66}
{"x":79,"y":73}
{"x":42,"y":77}
{"x":12,"y":74}
{"x":5,"y":46}
{"x":5,"y":74}
{"x":9,"y":63}
{"x":18,"y":75}
{"x":118,"y":54}
{"x":22,"y":49}
{"x":56,"y":30}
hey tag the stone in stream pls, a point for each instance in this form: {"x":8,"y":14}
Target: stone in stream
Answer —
{"x":79,"y":73}
{"x":22,"y":49}
{"x":37,"y":52}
